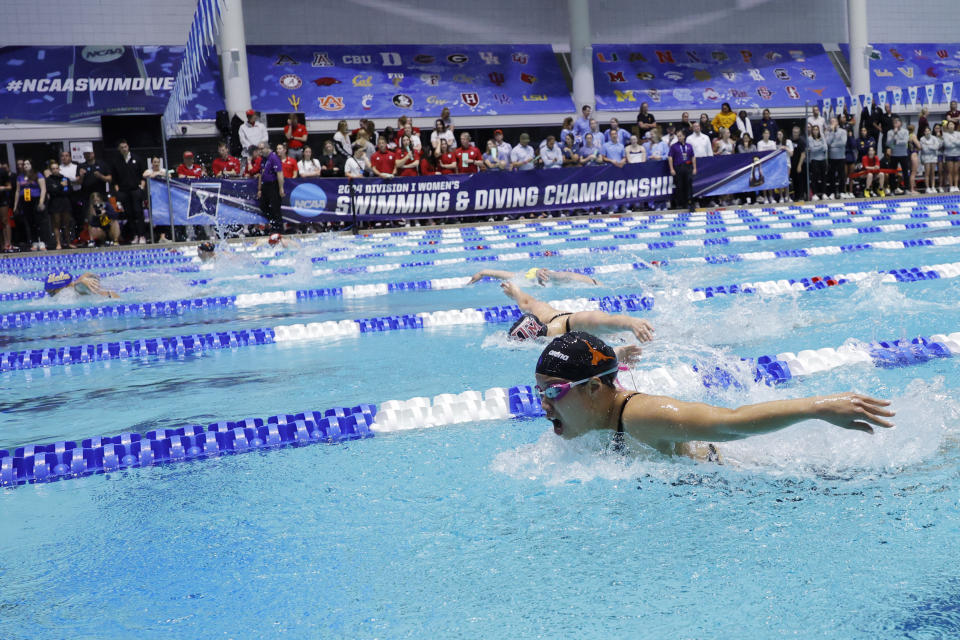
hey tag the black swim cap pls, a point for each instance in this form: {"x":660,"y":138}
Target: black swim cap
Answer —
{"x":528,"y":326}
{"x":576,"y":356}
{"x":206,"y":247}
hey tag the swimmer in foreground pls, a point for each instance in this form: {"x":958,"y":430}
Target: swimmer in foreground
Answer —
{"x":576,"y":376}
{"x":84,"y":284}
{"x":542,"y":276}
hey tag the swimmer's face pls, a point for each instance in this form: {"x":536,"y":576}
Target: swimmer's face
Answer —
{"x":571,"y":413}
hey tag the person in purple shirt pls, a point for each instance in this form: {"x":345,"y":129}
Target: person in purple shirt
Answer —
{"x":270,"y":190}
{"x":683,"y":166}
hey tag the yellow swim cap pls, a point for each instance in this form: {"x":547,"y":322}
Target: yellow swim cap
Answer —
{"x":532,"y":273}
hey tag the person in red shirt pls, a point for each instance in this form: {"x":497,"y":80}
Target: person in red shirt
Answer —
{"x":871,"y":167}
{"x":254,"y":162}
{"x":296,"y":134}
{"x":409,"y":130}
{"x":189,"y":169}
{"x":954,"y":114}
{"x":409,"y":157}
{"x":383,"y":161}
{"x":448,"y":160}
{"x":225,"y":165}
{"x":290,"y":169}
{"x":468,"y":156}
{"x":428,"y":163}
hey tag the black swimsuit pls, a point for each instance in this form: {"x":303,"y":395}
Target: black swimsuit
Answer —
{"x":561,"y":315}
{"x":617,"y":444}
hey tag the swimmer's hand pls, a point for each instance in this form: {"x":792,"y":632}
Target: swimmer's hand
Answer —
{"x":491,"y":273}
{"x":642,"y":329}
{"x":543,"y":276}
{"x":629,"y":354}
{"x":853,"y":411}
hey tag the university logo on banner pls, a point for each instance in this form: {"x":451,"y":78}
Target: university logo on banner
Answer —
{"x":471,"y":99}
{"x":204,"y":199}
{"x":930,"y":89}
{"x":792,"y":92}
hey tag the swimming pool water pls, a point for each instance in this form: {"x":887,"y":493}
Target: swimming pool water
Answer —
{"x":494,"y":529}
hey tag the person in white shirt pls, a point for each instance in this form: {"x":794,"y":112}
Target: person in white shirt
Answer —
{"x":503,"y":147}
{"x":702,"y":146}
{"x":441,"y":132}
{"x":308,"y":167}
{"x":635,"y":152}
{"x":341,"y":139}
{"x":744,"y":126}
{"x":356,"y":164}
{"x":816,"y":120}
{"x":252,"y":132}
{"x":766,"y":144}
{"x":522,"y":155}
{"x":550,"y":155}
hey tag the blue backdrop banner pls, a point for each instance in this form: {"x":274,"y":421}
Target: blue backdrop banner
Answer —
{"x":701,"y":76}
{"x":903,"y":65}
{"x":231,"y":201}
{"x":387,"y":81}
{"x":73,"y":84}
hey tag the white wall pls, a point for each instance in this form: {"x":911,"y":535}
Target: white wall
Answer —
{"x":918,"y":21}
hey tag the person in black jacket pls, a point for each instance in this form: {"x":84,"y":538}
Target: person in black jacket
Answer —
{"x":331,"y":162}
{"x":128,"y":181}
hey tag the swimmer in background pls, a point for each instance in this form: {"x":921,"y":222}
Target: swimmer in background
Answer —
{"x":278,"y":240}
{"x":84,"y":284}
{"x":206,"y":251}
{"x":542,"y":276}
{"x":576,"y":379}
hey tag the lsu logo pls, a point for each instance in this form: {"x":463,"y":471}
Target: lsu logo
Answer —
{"x":330,"y":103}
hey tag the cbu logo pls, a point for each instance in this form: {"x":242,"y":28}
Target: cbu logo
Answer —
{"x":101,"y":54}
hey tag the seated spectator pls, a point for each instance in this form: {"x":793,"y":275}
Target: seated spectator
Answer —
{"x":615,"y":132}
{"x":890,"y":165}
{"x":566,"y":128}
{"x":645,"y":120}
{"x":341,"y":140}
{"x":428,"y":163}
{"x":469,"y":158}
{"x":746,"y":145}
{"x":383,"y":163}
{"x":723,"y":145}
{"x":635,"y":152}
{"x":551,"y":157}
{"x":362,"y":139}
{"x":871,"y":166}
{"x":492,"y":159}
{"x":446,"y":159}
{"x":409,"y":161}
{"x":439,"y":133}
{"x":522,"y":156}
{"x":656,"y":148}
{"x":725,"y":119}
{"x":581,"y":126}
{"x":102,"y":221}
{"x":356,"y":165}
{"x":570,"y":156}
{"x":503,"y":147}
{"x":309,"y":167}
{"x":331,"y":161}
{"x":706,"y":128}
{"x":254,"y":162}
{"x":589,"y":152}
{"x":225,"y":165}
{"x":289,"y":164}
{"x":765,"y":143}
{"x":188,"y":169}
{"x":296,"y":134}
{"x":614,"y":152}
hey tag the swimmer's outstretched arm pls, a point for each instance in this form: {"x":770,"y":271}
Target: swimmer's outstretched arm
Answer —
{"x":527,"y":303}
{"x":546,"y":275}
{"x":492,"y":273}
{"x":664,"y":421}
{"x":92,"y":282}
{"x":590,"y":321}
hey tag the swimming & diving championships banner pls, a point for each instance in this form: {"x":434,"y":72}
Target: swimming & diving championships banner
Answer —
{"x":387,"y":81}
{"x":232,"y":201}
{"x":703,"y":76}
{"x":73,"y":84}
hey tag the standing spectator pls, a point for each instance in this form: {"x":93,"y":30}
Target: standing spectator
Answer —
{"x":764,"y":146}
{"x":446,"y":159}
{"x":156,"y":172}
{"x":768,"y":123}
{"x":670,"y":137}
{"x":705,"y":127}
{"x":581,"y":126}
{"x":61,"y":211}
{"x":871,"y":166}
{"x":288,"y":164}
{"x":551,"y":157}
{"x":929,"y":150}
{"x":725,"y":119}
{"x":836,"y":139}
{"x":951,"y":156}
{"x":70,"y":170}
{"x":270,"y":190}
{"x":815,"y":120}
{"x":615,"y":133}
{"x":341,"y":140}
{"x":570,"y":156}
{"x":787,"y":145}
{"x":864,"y":142}
{"x":296,"y":134}
{"x":413,"y":133}
{"x":723,"y":145}
{"x":941,"y":173}
{"x":913,"y":149}
{"x":128,"y":180}
{"x":897,"y":139}
{"x":225,"y":165}
{"x":440,"y":133}
{"x":391,"y":137}
{"x":645,"y":120}
{"x":685,"y":125}
{"x":503,"y":147}
{"x":656,"y":148}
{"x":383,"y":163}
{"x":428,"y":163}
{"x":6,"y":196}
{"x":682,"y":161}
{"x":700,"y":142}
{"x":362,"y":139}
{"x":356,"y":165}
{"x":743,"y":124}
{"x":409,"y":160}
{"x":598,"y":137}
{"x":188,"y":168}
{"x":589,"y":152}
{"x":251,"y":131}
{"x":798,"y":167}
{"x":953,"y":115}
{"x":817,"y":148}
{"x":565,"y":128}
{"x":469,"y":158}
{"x":635,"y":152}
{"x":886,"y":117}
{"x":94,"y":176}
{"x":522,"y":155}
{"x":922,"y":122}
{"x":309,"y":167}
{"x":614,"y":152}
{"x":30,"y":201}
{"x":331,"y":161}
{"x":447,"y":119}
{"x":492,"y":159}
{"x":254,"y":162}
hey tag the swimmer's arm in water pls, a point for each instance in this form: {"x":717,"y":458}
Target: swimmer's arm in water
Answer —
{"x":590,"y":321}
{"x":92,"y":283}
{"x":546,"y":275}
{"x":492,"y":273}
{"x":527,"y":303}
{"x":663,"y":421}
{"x":629,"y":354}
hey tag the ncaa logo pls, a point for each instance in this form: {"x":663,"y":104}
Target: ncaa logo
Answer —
{"x":470,"y":99}
{"x":403,"y":101}
{"x":101,"y":54}
{"x":291,"y":81}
